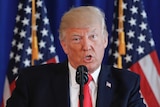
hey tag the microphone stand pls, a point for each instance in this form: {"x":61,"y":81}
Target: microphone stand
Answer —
{"x":81,"y":79}
{"x":81,"y":95}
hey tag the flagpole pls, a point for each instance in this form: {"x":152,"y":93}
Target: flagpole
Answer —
{"x":121,"y":36}
{"x":34,"y":36}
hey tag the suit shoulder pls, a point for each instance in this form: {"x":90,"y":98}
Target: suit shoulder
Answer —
{"x":122,"y":73}
{"x":43,"y":69}
{"x":126,"y":77}
{"x":123,"y":77}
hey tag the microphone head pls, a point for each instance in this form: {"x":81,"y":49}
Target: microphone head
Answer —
{"x":82,"y":74}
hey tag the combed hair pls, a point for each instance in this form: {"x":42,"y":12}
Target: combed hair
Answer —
{"x":77,"y":17}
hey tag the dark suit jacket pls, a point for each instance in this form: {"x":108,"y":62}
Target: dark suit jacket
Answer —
{"x":48,"y":86}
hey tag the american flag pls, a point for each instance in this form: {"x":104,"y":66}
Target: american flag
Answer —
{"x":140,"y":56}
{"x":21,"y":51}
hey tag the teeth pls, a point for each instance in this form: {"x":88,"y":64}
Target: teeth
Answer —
{"x":88,"y":56}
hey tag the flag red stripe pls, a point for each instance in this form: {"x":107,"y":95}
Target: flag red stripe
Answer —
{"x":12,"y":86}
{"x":155,"y":60}
{"x":145,"y":87}
{"x":2,"y":104}
{"x":53,"y":60}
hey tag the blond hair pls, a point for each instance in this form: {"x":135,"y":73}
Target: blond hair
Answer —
{"x":82,"y":16}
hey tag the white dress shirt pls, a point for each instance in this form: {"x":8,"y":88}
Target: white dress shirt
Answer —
{"x":74,"y":87}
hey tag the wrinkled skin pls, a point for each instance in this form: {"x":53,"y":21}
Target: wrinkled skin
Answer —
{"x":85,"y":46}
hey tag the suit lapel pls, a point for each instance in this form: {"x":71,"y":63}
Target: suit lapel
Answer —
{"x":61,"y":82}
{"x":105,"y":87}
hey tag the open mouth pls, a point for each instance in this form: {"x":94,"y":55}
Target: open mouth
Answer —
{"x":88,"y":58}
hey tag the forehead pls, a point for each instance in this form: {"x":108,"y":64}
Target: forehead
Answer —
{"x":83,"y":30}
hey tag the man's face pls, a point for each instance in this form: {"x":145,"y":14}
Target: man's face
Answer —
{"x":85,"y":46}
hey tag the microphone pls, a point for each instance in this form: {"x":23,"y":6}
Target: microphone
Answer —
{"x":81,"y":79}
{"x":82,"y":75}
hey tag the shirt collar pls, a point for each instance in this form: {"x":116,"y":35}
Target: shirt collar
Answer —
{"x":72,"y":74}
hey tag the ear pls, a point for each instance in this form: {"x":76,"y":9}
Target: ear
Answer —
{"x":105,"y":40}
{"x":64,"y":46}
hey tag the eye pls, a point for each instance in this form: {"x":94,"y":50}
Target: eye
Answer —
{"x":93,"y":36}
{"x":76,"y":39}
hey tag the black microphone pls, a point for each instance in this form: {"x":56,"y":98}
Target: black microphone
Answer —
{"x":82,"y":75}
{"x":81,"y":79}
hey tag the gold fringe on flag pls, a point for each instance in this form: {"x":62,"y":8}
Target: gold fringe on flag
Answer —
{"x":34,"y":35}
{"x":121,"y":35}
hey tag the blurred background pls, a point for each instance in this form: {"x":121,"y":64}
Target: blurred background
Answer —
{"x":55,"y":9}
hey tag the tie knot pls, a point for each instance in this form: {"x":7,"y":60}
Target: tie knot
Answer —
{"x":89,"y":78}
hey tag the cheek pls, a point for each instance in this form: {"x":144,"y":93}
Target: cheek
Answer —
{"x":73,"y":49}
{"x":100,"y":47}
{"x":103,"y":43}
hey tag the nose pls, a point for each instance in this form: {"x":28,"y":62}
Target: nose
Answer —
{"x":86,"y":44}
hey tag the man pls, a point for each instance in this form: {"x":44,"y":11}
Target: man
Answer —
{"x":83,"y":37}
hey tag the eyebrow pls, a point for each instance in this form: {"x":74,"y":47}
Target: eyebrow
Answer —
{"x":76,"y":31}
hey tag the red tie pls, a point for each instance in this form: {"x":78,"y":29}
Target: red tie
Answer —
{"x":87,"y":97}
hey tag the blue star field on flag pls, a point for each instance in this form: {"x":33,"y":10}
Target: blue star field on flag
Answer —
{"x":138,"y":36}
{"x":20,"y":55}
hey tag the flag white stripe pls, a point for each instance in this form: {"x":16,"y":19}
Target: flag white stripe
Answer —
{"x":6,"y":93}
{"x":57,"y":58}
{"x":151,"y":74}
